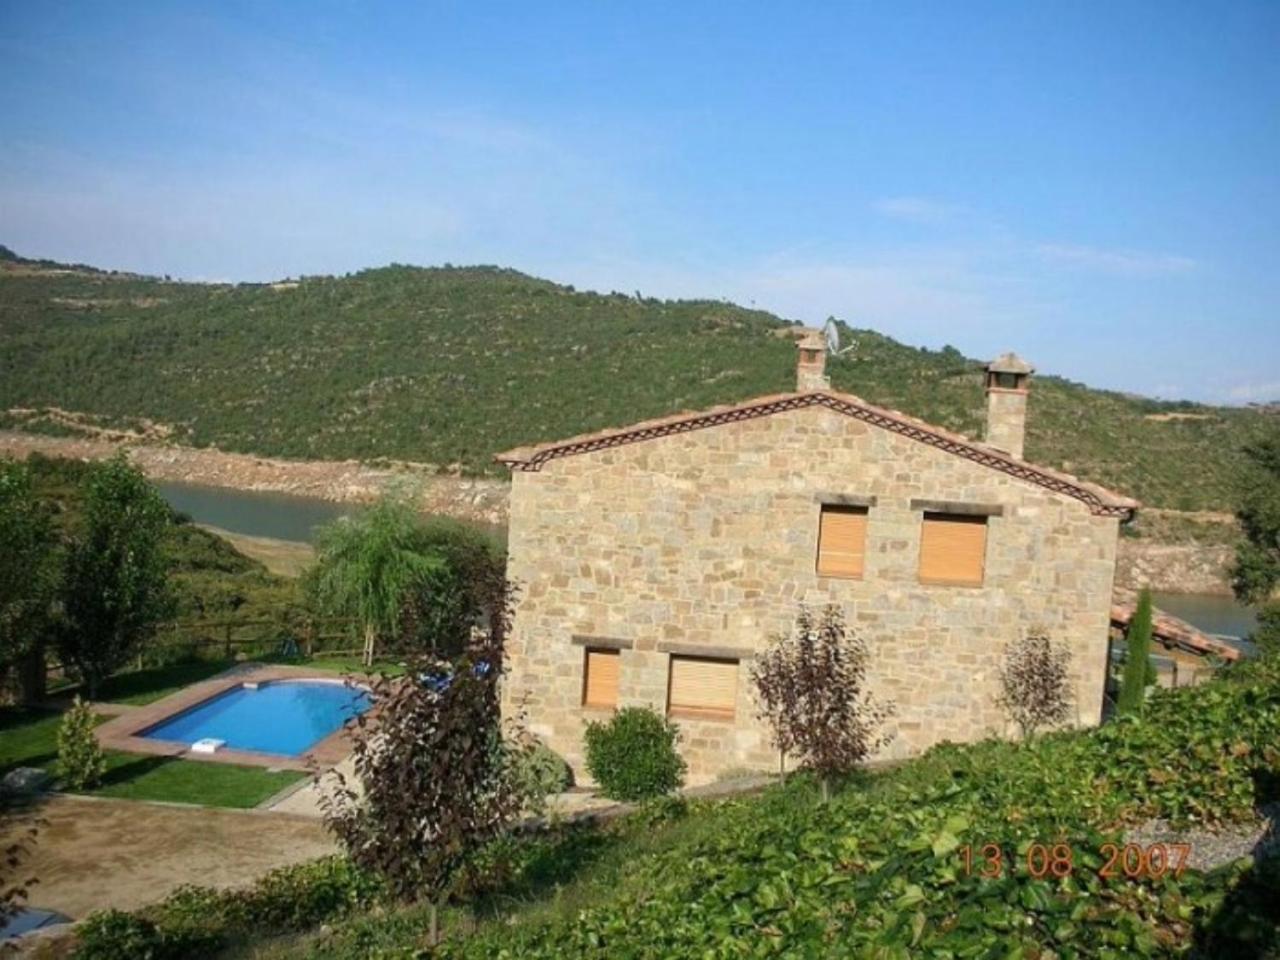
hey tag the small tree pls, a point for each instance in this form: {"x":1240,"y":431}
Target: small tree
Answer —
{"x":434,"y":778}
{"x":80,"y":760}
{"x":368,"y":566}
{"x":1035,"y":682}
{"x":115,"y":586}
{"x":811,"y":686}
{"x":1137,"y":664}
{"x":28,"y":574}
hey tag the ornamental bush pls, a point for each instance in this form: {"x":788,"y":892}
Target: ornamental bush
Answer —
{"x":633,"y":756}
{"x":80,"y":760}
{"x":540,"y":773}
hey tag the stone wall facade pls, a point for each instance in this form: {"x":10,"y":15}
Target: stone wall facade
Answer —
{"x":707,"y":540}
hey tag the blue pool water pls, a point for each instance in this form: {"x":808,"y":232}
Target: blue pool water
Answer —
{"x":285,"y":717}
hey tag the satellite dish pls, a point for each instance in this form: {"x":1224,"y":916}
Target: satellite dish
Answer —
{"x":831,"y":330}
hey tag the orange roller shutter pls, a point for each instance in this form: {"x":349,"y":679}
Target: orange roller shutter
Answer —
{"x":952,"y":549}
{"x":703,"y":688}
{"x":842,"y":541}
{"x":600,"y":685}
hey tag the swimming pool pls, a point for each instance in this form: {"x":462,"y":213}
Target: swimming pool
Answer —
{"x":285,"y":717}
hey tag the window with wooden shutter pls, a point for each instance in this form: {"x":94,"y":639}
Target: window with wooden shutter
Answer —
{"x":842,"y":541}
{"x":952,"y":549}
{"x":600,"y":679}
{"x":703,"y":688}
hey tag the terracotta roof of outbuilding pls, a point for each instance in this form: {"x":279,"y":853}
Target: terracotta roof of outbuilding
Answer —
{"x":1100,"y":500}
{"x":1171,"y":631}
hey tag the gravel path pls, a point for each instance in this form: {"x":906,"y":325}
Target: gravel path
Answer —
{"x":1212,"y":848}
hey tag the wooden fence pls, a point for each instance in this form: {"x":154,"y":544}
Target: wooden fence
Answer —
{"x":301,"y":636}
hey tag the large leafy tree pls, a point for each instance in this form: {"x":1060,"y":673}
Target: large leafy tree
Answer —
{"x":434,"y":777}
{"x":115,"y":587}
{"x":28,"y":567}
{"x":812,"y":689}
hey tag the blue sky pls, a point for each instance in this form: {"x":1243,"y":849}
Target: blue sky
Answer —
{"x":1096,"y":185}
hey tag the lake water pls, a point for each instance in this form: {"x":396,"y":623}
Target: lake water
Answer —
{"x":1210,"y":612}
{"x":281,"y":516}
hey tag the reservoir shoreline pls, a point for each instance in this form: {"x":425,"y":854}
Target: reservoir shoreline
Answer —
{"x":338,"y":481}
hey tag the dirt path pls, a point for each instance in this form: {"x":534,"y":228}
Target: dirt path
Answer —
{"x":97,"y":853}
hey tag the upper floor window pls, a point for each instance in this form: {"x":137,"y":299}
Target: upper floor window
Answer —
{"x":953,"y":549}
{"x":842,"y":541}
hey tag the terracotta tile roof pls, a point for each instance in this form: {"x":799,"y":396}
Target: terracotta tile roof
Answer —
{"x":1170,"y":631}
{"x":1100,"y":500}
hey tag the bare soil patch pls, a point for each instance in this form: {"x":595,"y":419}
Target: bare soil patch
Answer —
{"x":93,"y":854}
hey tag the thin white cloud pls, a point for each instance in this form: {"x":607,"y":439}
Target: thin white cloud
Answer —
{"x":1121,"y":262}
{"x":915,"y":209}
{"x":1268,"y":392}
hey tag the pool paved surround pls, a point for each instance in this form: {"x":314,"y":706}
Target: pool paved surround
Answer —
{"x":124,"y":732}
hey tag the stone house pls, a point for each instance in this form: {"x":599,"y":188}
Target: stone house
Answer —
{"x":655,"y":561}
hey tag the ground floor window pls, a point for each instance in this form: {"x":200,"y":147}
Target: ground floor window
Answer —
{"x":702,"y":688}
{"x":600,"y":679}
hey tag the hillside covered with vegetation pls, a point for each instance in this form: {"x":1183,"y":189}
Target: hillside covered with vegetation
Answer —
{"x":450,"y":365}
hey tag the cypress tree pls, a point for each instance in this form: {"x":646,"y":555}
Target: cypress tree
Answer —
{"x":1133,"y":685}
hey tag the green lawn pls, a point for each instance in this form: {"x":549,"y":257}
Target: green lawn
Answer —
{"x":146,"y":686}
{"x":131,"y":776}
{"x":28,"y":738}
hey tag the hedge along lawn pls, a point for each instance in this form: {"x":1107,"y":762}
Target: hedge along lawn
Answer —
{"x":28,"y":738}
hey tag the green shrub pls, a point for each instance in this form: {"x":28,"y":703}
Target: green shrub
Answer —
{"x":80,"y":760}
{"x":116,"y":935}
{"x":296,"y":897}
{"x":633,"y":755}
{"x":197,"y":921}
{"x":540,"y":773}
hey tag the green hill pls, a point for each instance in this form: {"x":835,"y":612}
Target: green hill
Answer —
{"x":449,"y":365}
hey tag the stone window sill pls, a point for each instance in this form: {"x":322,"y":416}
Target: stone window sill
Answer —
{"x":711,"y":716}
{"x":962,"y":584}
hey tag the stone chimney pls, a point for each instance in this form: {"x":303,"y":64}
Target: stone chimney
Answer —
{"x":811,"y":362}
{"x":1008,"y":381}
